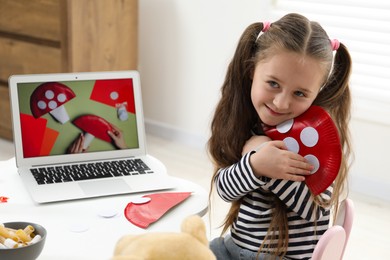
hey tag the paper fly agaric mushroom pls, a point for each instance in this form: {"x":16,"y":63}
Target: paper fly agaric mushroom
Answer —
{"x":313,"y":135}
{"x":93,"y":126}
{"x":50,"y":97}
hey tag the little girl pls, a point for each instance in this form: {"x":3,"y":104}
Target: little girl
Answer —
{"x":277,"y":72}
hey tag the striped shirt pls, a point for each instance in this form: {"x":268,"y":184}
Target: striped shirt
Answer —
{"x":254,"y":217}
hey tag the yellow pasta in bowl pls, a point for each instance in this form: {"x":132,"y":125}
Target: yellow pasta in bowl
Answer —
{"x":21,"y":240}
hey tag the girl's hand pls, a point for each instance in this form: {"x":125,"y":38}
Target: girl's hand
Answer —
{"x":273,"y":160}
{"x":117,"y":137}
{"x":77,"y":145}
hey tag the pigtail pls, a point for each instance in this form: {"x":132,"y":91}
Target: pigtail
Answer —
{"x":227,"y":137}
{"x":335,"y":95}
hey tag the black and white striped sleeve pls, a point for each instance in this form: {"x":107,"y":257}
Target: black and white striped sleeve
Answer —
{"x":237,"y":180}
{"x":298,"y":198}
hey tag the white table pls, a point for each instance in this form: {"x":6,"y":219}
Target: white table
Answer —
{"x":60,"y":218}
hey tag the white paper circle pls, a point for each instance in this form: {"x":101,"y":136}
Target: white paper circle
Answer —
{"x":114,"y":95}
{"x":41,"y":104}
{"x":108,"y":213}
{"x":78,"y":227}
{"x":285,"y":126}
{"x":49,"y":94}
{"x":52,"y":105}
{"x":140,"y":200}
{"x":309,"y":136}
{"x":292,"y":144}
{"x":61,"y":98}
{"x":313,"y":161}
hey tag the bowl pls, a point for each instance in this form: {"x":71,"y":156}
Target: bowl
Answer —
{"x":29,"y":252}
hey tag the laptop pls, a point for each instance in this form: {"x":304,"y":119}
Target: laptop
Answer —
{"x":81,"y":135}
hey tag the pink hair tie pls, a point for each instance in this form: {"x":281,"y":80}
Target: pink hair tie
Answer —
{"x":266,"y":26}
{"x":335,"y":44}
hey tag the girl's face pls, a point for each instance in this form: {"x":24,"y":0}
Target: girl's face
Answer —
{"x":284,"y":86}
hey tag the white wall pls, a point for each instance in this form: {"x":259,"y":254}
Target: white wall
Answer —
{"x":184,"y":50}
{"x":370,"y":172}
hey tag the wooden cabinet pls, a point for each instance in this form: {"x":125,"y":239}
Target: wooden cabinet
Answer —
{"x":52,"y":36}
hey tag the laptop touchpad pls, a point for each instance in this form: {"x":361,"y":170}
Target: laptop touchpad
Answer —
{"x":105,"y":187}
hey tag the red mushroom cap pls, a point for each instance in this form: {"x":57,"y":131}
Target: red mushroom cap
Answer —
{"x":95,"y":125}
{"x":48,"y":96}
{"x":313,"y":135}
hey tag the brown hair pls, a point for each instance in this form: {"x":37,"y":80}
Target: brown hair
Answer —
{"x":235,"y":115}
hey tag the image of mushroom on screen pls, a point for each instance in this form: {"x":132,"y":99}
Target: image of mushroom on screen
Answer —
{"x":77,"y":116}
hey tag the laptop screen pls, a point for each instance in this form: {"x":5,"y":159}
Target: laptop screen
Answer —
{"x":77,"y":116}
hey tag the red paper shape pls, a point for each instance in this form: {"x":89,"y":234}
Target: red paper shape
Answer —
{"x":3,"y":199}
{"x":314,"y":136}
{"x":95,"y":125}
{"x":114,"y":92}
{"x":33,"y":131}
{"x":142,"y":215}
{"x":49,"y":138}
{"x":49,"y":96}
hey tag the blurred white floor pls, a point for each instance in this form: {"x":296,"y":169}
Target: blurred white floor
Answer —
{"x":370,"y":233}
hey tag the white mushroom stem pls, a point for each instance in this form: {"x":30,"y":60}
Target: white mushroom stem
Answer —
{"x":87,"y":140}
{"x":122,"y":112}
{"x":60,"y":114}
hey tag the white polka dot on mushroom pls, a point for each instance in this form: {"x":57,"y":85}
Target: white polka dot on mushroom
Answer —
{"x":309,"y":136}
{"x":313,"y":161}
{"x":114,"y":95}
{"x":49,"y":94}
{"x":285,"y":126}
{"x":52,"y":105}
{"x":42,"y":104}
{"x":292,"y":144}
{"x":61,"y":98}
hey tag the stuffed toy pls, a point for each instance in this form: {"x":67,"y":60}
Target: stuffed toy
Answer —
{"x":190,"y":244}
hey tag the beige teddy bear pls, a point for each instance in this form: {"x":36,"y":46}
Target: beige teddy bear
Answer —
{"x":190,"y":244}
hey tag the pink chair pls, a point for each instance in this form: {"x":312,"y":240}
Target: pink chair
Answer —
{"x":333,"y":242}
{"x":345,"y":218}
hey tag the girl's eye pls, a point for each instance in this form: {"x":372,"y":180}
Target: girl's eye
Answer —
{"x":273,"y":84}
{"x":299,"y":94}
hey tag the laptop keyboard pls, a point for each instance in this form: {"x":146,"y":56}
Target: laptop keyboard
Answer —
{"x":86,"y":171}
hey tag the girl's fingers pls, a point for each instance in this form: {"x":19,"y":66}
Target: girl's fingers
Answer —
{"x":300,"y":165}
{"x":294,"y":177}
{"x":301,"y":168}
{"x":279,"y":144}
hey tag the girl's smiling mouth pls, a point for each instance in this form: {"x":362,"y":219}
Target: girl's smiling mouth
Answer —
{"x":273,"y":112}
